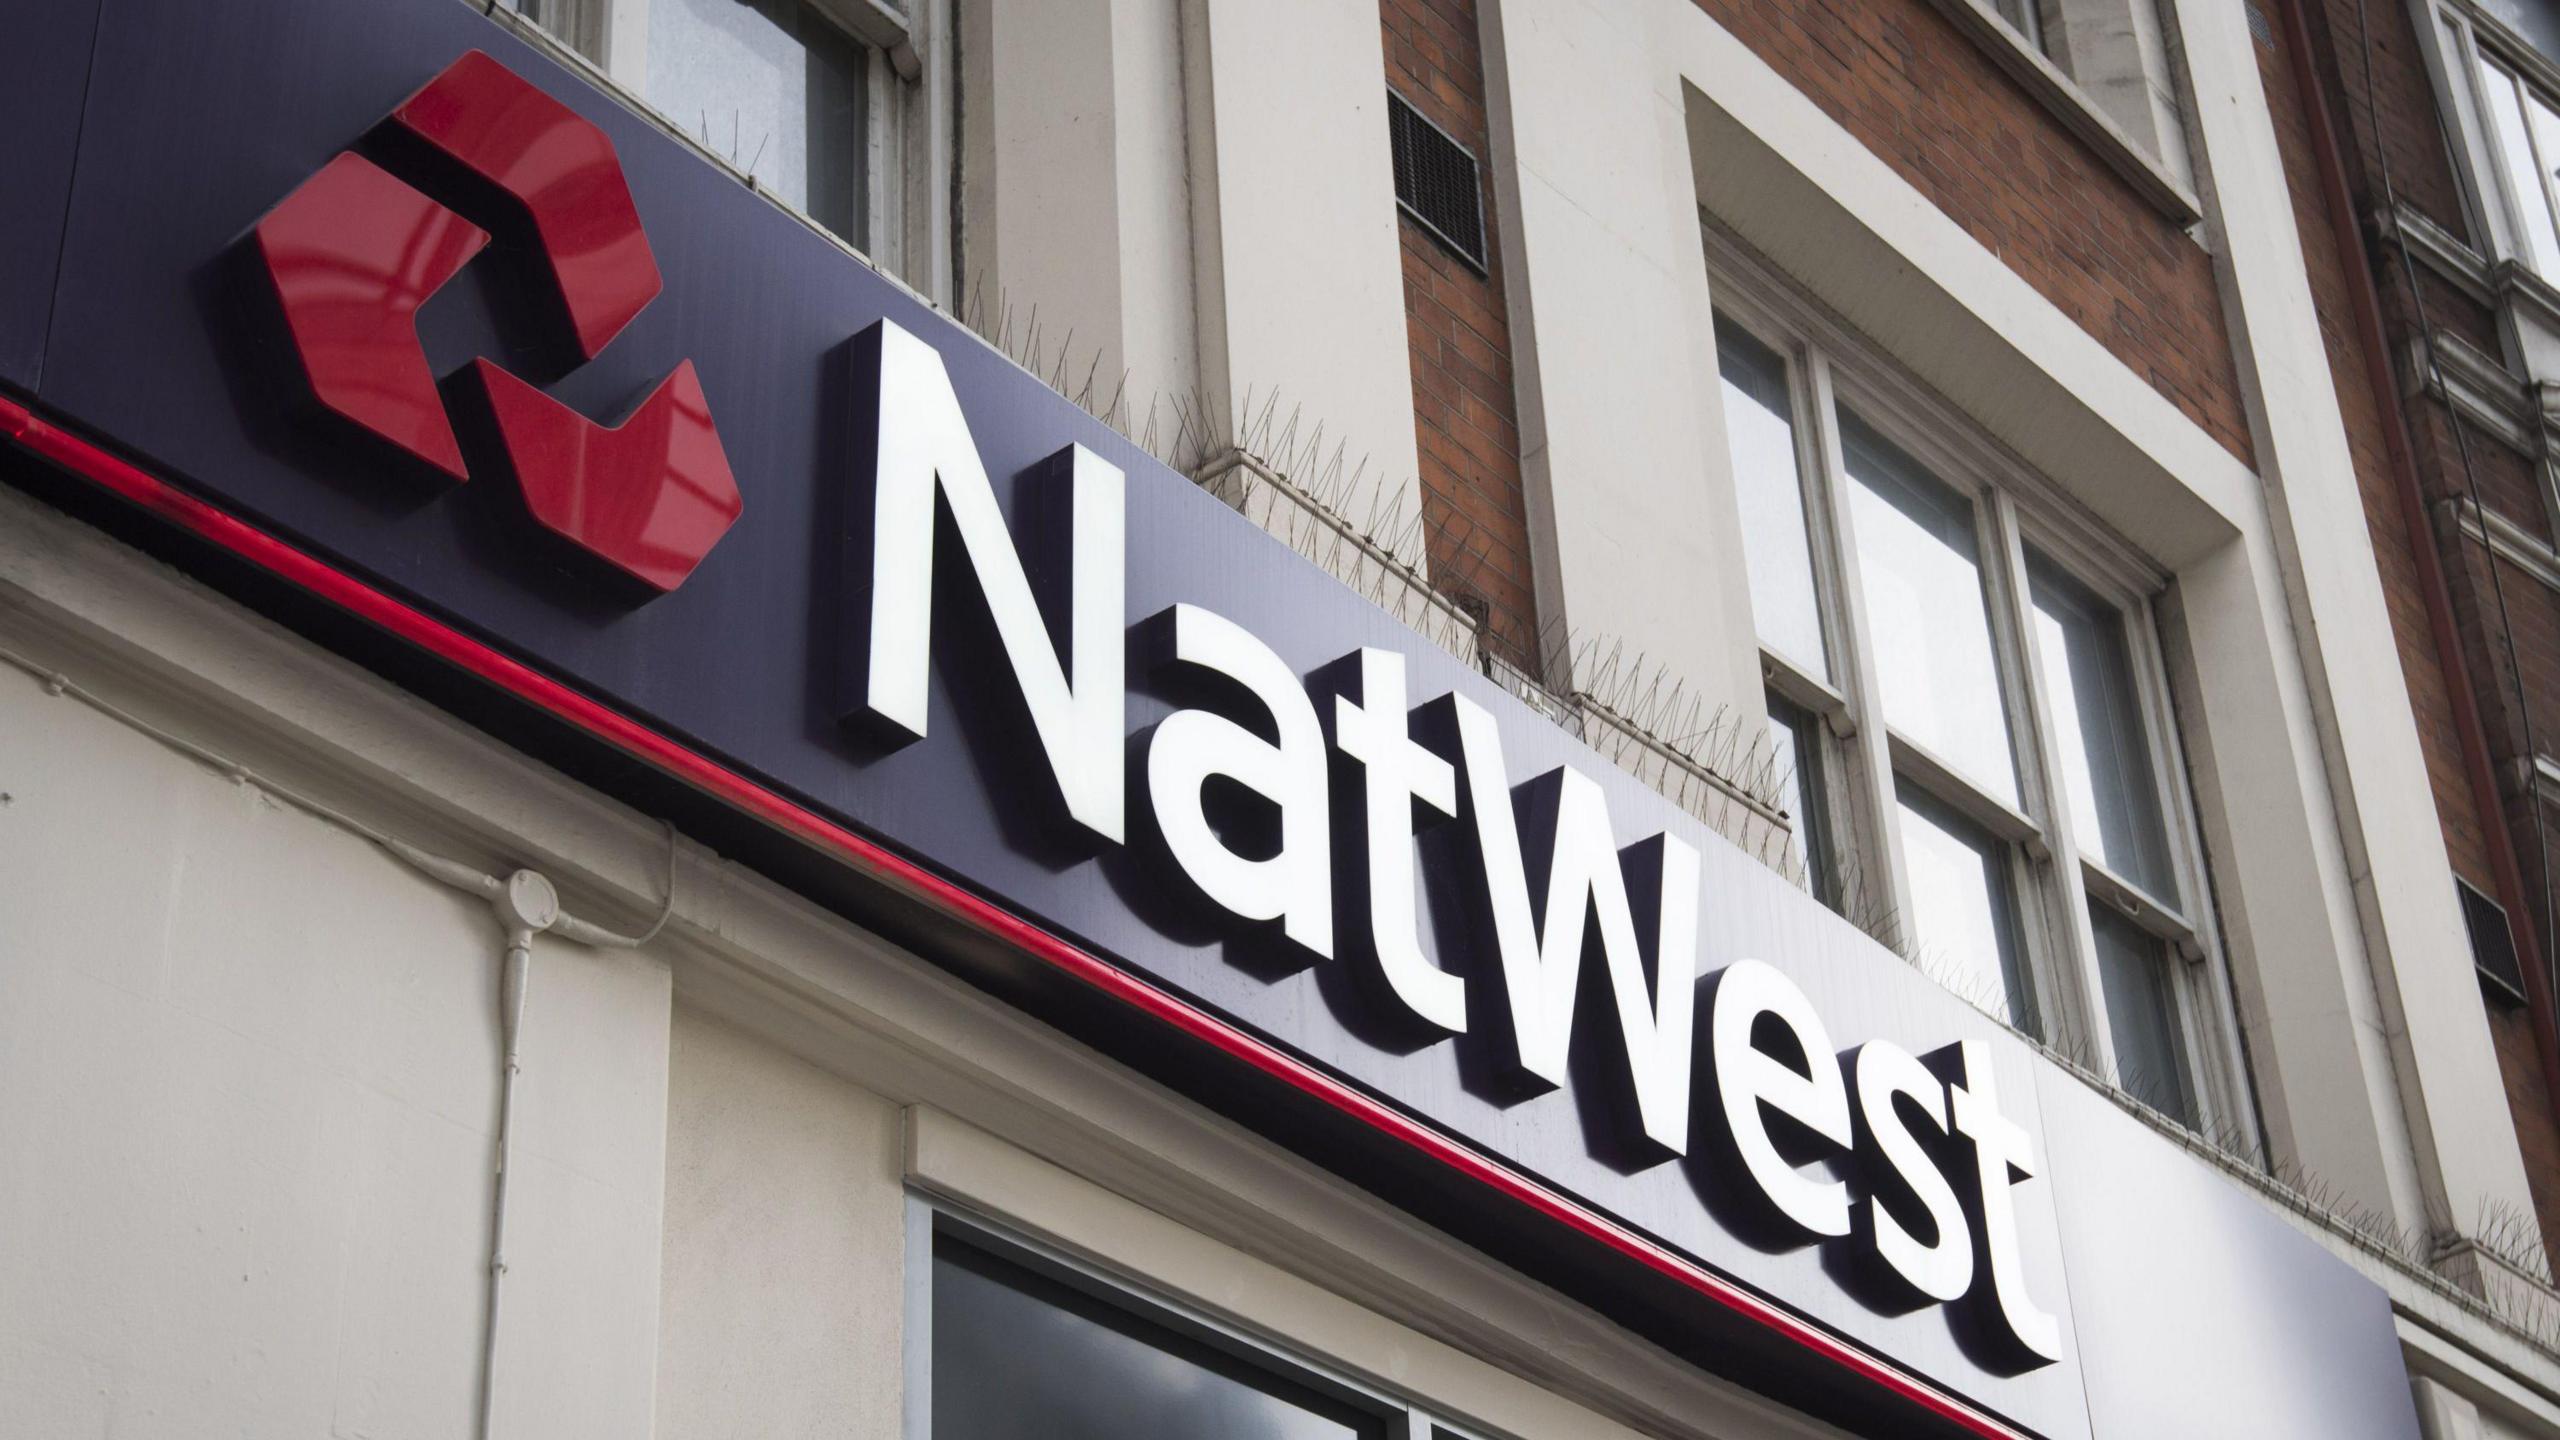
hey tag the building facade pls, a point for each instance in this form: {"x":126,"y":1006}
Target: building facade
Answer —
{"x":1492,"y":718}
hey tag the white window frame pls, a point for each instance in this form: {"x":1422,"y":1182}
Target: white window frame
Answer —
{"x":910,"y":129}
{"x":2472,"y":38}
{"x":2053,"y":881}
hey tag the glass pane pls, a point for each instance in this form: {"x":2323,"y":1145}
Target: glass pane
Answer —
{"x":1760,"y":430}
{"x":2524,"y":179}
{"x":1020,"y":1356}
{"x":2097,"y":723}
{"x":1963,"y":925}
{"x":1926,"y":616}
{"x":2545,"y":124}
{"x":2133,"y":966}
{"x":1796,"y":755}
{"x":774,"y":88}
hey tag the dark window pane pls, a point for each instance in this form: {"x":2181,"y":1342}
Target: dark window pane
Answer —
{"x":1018,"y":1355}
{"x":2097,"y":724}
{"x":2142,"y":1014}
{"x":1963,"y":922}
{"x":1796,"y":757}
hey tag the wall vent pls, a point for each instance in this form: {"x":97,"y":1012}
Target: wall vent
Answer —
{"x":1436,"y":182}
{"x":2493,"y":944}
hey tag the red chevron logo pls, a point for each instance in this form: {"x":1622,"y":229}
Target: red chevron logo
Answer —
{"x":355,"y":251}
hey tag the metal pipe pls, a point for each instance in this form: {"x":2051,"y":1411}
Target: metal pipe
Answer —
{"x":519,"y":970}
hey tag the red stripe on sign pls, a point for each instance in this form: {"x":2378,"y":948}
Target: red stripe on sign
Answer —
{"x":207,"y":522}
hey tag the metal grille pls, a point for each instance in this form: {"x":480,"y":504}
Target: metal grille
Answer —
{"x":1436,"y":182}
{"x":2493,"y":943}
{"x":2259,"y":29}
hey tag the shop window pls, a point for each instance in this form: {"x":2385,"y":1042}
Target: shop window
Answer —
{"x":1018,"y":1355}
{"x":1968,"y":706}
{"x":1025,"y":1343}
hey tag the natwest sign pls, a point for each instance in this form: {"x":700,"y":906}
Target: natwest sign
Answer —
{"x":911,"y":633}
{"x":1240,"y":798}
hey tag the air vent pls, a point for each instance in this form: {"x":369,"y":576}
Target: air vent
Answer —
{"x":2493,"y":944}
{"x":1436,"y":182}
{"x":2259,"y":29}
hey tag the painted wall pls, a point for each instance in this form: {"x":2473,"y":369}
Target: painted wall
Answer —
{"x":248,"y":1090}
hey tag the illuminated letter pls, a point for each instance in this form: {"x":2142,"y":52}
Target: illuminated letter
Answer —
{"x":2003,"y":1156}
{"x":1294,"y":886}
{"x":924,"y":447}
{"x":1748,"y":1078}
{"x":1540,"y":972}
{"x":1943,"y":1271}
{"x":1396,"y":773}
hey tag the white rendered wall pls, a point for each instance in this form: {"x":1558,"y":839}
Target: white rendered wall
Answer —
{"x":1076,"y":214}
{"x":785,"y":1239}
{"x":1638,"y":536}
{"x":1296,"y":255}
{"x":248,"y":1084}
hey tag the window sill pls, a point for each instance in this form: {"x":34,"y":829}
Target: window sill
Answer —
{"x":2054,"y":90}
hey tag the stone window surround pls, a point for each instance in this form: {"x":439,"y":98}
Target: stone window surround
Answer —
{"x":1865,"y":761}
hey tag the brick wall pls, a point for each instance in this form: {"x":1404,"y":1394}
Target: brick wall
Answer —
{"x":1928,"y":101}
{"x":2395,"y":120}
{"x":1466,"y":416}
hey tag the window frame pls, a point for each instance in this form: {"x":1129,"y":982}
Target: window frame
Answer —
{"x":909,"y":133}
{"x":2529,"y":78}
{"x":932,"y":1217}
{"x":2053,"y":880}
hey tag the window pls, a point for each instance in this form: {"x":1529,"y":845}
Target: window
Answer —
{"x":1018,"y":1355}
{"x":1759,"y":418}
{"x":776,"y":87}
{"x":2027,"y":18}
{"x":1968,"y":710}
{"x":1795,"y":754}
{"x":1026,"y":1344}
{"x":2524,"y":129}
{"x":822,"y":104}
{"x":2108,"y":71}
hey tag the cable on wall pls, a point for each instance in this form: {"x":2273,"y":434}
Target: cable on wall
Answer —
{"x":525,"y":902}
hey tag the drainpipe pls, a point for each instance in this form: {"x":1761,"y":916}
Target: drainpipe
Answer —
{"x":2365,"y":301}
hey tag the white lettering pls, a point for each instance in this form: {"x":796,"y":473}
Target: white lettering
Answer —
{"x":2003,"y":1156}
{"x":1294,"y":886}
{"x":1749,"y":1078}
{"x":925,"y":447}
{"x":1541,"y":972}
{"x":1397,"y":773}
{"x":1888,"y":1074}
